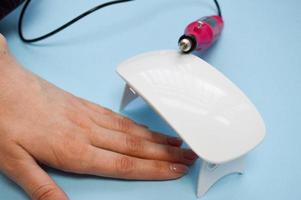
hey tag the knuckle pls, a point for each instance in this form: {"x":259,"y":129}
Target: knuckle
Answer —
{"x":44,"y":192}
{"x":79,"y":120}
{"x":124,"y":166}
{"x":134,"y":145}
{"x":71,"y":157}
{"x":124,"y":124}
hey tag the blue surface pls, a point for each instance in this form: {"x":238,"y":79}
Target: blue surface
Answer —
{"x":260,"y":51}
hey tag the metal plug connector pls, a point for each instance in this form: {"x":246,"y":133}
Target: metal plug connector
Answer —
{"x":186,"y":44}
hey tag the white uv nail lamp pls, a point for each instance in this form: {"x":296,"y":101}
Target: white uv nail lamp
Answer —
{"x":211,"y":114}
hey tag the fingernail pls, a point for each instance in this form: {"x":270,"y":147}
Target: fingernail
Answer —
{"x":142,"y":125}
{"x":145,"y":126}
{"x":179,"y":168}
{"x":190,"y":155}
{"x":174,"y":141}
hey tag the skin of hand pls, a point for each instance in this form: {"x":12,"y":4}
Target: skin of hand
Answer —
{"x":42,"y":124}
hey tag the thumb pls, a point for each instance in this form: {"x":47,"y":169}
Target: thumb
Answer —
{"x":35,"y":181}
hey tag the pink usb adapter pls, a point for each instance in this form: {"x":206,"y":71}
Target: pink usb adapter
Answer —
{"x":201,"y":34}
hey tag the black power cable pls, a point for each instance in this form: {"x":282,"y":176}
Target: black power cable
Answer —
{"x":20,"y":30}
{"x":219,"y":12}
{"x":88,"y":12}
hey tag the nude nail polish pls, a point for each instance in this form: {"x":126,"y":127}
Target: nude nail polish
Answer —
{"x":190,"y":155}
{"x":179,"y":168}
{"x":174,"y":141}
{"x":142,"y":125}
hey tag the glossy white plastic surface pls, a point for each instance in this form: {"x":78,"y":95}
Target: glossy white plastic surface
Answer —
{"x":206,"y":109}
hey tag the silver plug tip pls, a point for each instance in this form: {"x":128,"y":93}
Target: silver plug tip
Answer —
{"x":185,"y":45}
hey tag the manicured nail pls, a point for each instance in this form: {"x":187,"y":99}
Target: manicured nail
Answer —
{"x":190,"y":155}
{"x":179,"y":168}
{"x":174,"y":141}
{"x":142,"y":125}
{"x":145,"y":126}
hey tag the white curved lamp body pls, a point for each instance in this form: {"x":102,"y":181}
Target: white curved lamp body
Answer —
{"x":211,"y":114}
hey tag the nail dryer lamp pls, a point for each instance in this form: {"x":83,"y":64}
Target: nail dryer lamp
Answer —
{"x":212,"y":115}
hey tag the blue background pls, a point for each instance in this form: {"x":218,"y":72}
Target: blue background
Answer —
{"x":260,"y":51}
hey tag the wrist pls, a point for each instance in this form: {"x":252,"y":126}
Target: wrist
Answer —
{"x":8,"y":63}
{"x":3,"y":45}
{"x":10,"y":69}
{"x":4,"y":56}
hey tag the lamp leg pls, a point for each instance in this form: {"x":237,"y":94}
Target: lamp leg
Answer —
{"x":210,"y":173}
{"x":128,"y":95}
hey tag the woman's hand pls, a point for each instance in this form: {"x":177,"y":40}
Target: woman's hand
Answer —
{"x":40,"y":123}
